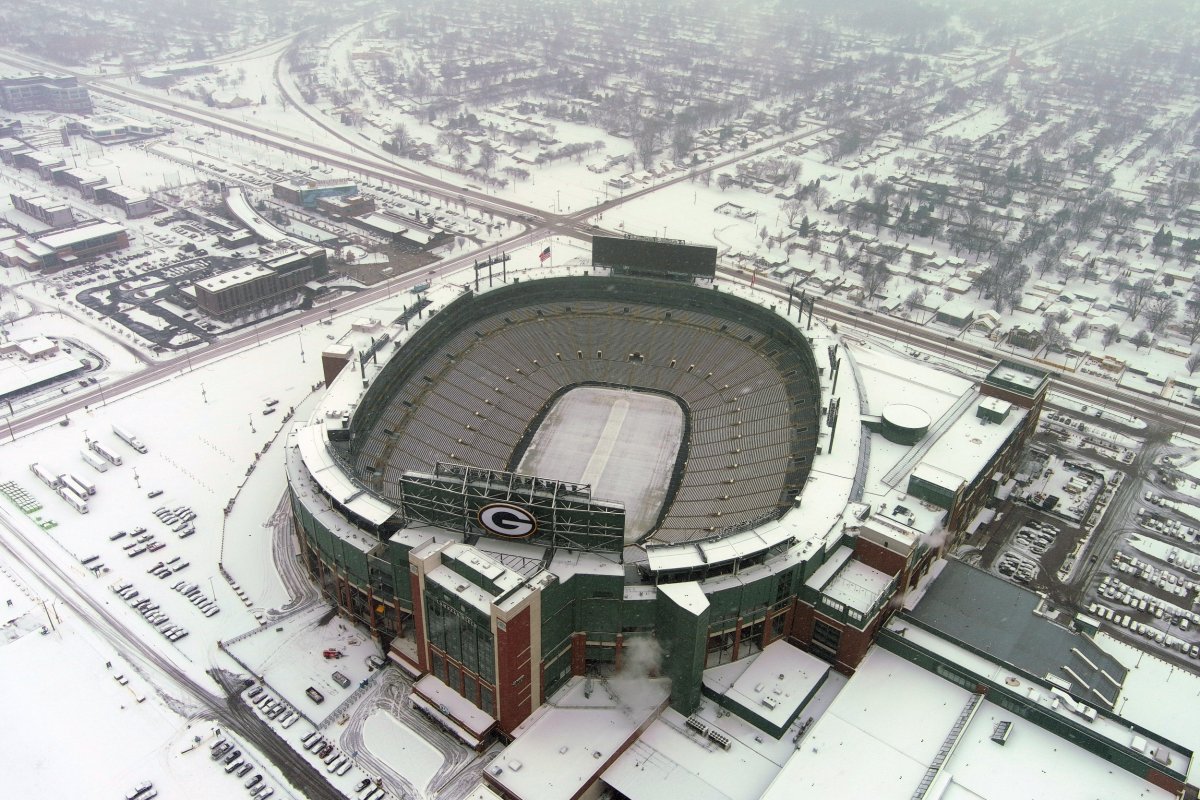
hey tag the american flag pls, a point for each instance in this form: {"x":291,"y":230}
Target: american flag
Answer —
{"x":544,"y":255}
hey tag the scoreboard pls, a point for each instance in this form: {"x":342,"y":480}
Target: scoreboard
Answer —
{"x":654,"y":257}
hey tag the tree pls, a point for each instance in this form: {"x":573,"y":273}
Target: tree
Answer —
{"x":647,"y":142}
{"x":1111,"y":336}
{"x":914,"y":300}
{"x":1141,"y":339}
{"x":1080,"y":330}
{"x":791,"y":209}
{"x":1067,"y":270}
{"x":400,"y":138}
{"x":1090,"y":270}
{"x":1193,"y":361}
{"x":1191,"y":318}
{"x":487,"y":158}
{"x":681,"y":142}
{"x":1159,"y":312}
{"x":1136,"y":295}
{"x":841,"y":255}
{"x":875,"y":276}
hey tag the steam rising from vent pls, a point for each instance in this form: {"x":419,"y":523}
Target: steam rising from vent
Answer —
{"x":641,"y":658}
{"x":639,"y":684}
{"x":936,"y":539}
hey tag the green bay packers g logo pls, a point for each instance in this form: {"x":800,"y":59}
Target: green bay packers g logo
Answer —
{"x":507,"y":520}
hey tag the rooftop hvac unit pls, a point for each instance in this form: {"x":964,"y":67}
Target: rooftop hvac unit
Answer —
{"x":696,"y":725}
{"x":720,"y":739}
{"x":1001,"y":732}
{"x":770,"y":702}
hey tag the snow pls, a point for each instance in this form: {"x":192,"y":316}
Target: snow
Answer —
{"x":395,"y":743}
{"x":475,"y":720}
{"x":623,"y":444}
{"x":898,"y":733}
{"x":1158,"y":695}
{"x":772,"y":684}
{"x":65,"y":702}
{"x":286,"y":657}
{"x":688,"y":596}
{"x":857,"y":586}
{"x":574,"y":737}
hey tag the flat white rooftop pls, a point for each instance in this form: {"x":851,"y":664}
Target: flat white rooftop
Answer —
{"x":78,"y":235}
{"x":772,"y":684}
{"x":883,"y":731}
{"x":857,"y":585}
{"x":569,"y":741}
{"x":970,"y":442}
{"x":234,"y":277}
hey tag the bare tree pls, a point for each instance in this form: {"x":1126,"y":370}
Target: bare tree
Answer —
{"x":791,"y":209}
{"x":487,"y":158}
{"x":1111,"y":336}
{"x":1141,"y":339}
{"x":1191,"y":318}
{"x":400,"y":138}
{"x":1080,"y":330}
{"x":914,"y":300}
{"x":1136,"y":295}
{"x":875,"y":276}
{"x":1159,"y":312}
{"x":1193,"y":361}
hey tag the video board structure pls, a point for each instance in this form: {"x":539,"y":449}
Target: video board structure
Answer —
{"x":656,"y":258}
{"x":507,"y":505}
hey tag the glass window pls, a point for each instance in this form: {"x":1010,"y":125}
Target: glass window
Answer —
{"x":826,"y":637}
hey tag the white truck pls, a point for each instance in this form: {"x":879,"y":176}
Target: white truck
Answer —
{"x":45,"y":476}
{"x":108,"y":455}
{"x":129,"y":439}
{"x":76,"y":485}
{"x":77,"y":502}
{"x":94,"y":461}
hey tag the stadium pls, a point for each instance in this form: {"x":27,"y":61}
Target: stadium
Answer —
{"x":508,"y":487}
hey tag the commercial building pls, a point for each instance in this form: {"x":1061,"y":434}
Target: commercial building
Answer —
{"x":43,"y":164}
{"x":54,"y":213}
{"x":81,"y":180}
{"x":43,"y":93}
{"x":63,"y":248}
{"x":401,"y":231}
{"x":352,"y":205}
{"x":112,"y":128}
{"x":306,"y":192}
{"x":134,"y":202}
{"x":245,"y":289}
